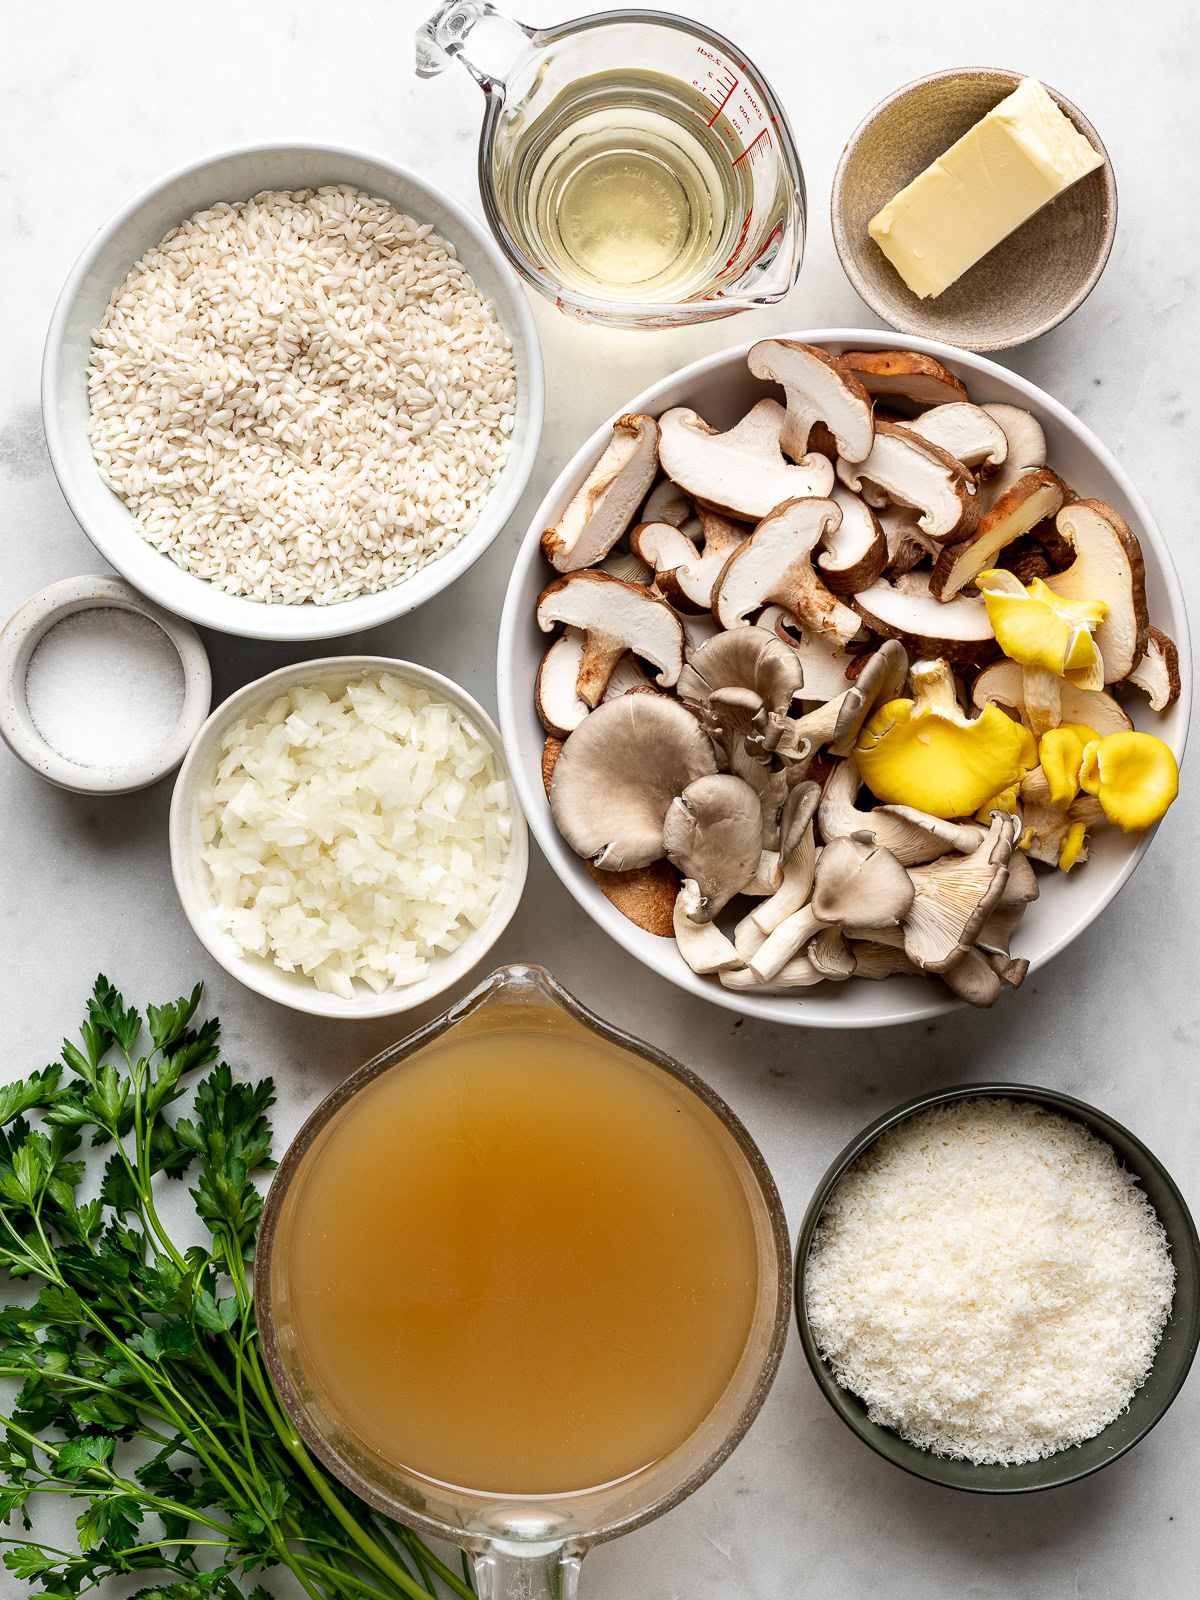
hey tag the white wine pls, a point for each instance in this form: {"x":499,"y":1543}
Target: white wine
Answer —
{"x":622,"y":190}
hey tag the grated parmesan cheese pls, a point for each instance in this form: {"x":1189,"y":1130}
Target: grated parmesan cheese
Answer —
{"x":990,"y":1281}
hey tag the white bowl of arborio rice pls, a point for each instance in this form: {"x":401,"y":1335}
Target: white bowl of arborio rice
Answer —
{"x":345,"y":836}
{"x":292,"y":391}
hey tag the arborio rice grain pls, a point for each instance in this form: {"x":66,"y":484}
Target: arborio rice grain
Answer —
{"x":302,"y":396}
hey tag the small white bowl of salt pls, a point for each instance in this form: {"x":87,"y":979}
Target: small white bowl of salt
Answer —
{"x":101,"y":692}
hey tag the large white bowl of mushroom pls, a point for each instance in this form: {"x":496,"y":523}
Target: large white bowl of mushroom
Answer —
{"x":772,"y":577}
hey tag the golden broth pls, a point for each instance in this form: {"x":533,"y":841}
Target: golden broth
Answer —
{"x":520,"y":1263}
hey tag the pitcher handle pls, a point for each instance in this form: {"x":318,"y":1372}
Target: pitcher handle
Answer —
{"x":507,"y":1571}
{"x":501,"y":41}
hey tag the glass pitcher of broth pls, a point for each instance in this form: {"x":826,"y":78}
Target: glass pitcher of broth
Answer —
{"x":633,"y":165}
{"x":522,"y":1283}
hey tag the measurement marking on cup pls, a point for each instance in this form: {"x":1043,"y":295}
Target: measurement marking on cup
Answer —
{"x":734,"y":80}
{"x":764,"y":133}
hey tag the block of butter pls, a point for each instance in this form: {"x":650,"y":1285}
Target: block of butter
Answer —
{"x":1015,"y":160}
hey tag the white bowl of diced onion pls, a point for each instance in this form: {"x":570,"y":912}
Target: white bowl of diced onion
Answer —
{"x":345,"y":836}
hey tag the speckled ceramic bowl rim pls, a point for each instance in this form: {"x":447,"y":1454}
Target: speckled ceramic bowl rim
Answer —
{"x":1056,"y":1100}
{"x":916,"y":330}
{"x":195,"y":891}
{"x":21,"y":636}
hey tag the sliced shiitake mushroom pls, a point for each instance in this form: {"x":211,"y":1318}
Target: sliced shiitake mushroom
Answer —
{"x":604,"y":505}
{"x":742,"y":471}
{"x":775,"y":564}
{"x":1031,"y":499}
{"x":911,"y":382}
{"x":956,"y":630}
{"x":615,"y":616}
{"x":969,"y":433}
{"x":1157,"y":673}
{"x":914,"y":472}
{"x":1108,"y":566}
{"x":819,"y":389}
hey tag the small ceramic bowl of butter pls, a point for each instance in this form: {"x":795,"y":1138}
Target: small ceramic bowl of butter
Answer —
{"x":975,"y":206}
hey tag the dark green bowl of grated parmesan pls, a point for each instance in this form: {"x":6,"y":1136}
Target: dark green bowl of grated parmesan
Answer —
{"x":860,"y":1315}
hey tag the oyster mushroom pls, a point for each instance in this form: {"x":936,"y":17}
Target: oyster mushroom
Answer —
{"x":860,"y":885}
{"x":1054,"y":830}
{"x":968,"y":433}
{"x":617,"y":774}
{"x":914,"y":472}
{"x":838,"y":721}
{"x":797,"y":856}
{"x":910,"y":381}
{"x":775,"y":564}
{"x":956,"y":630}
{"x":1003,"y":684}
{"x":603,"y":506}
{"x":925,"y":752}
{"x":1157,"y":673}
{"x":701,"y":944}
{"x":954,"y":897}
{"x":876,"y":961}
{"x":818,"y":389}
{"x":973,"y":979}
{"x":1020,"y":889}
{"x":1026,"y":450}
{"x":912,"y":836}
{"x":743,"y":471}
{"x":1031,"y":499}
{"x":856,"y":551}
{"x":1050,"y":638}
{"x":616,"y":617}
{"x":783,"y":943}
{"x":1134,"y":776}
{"x":743,"y":658}
{"x":686,"y":575}
{"x":712,"y":834}
{"x":832,"y":957}
{"x":1108,"y":567}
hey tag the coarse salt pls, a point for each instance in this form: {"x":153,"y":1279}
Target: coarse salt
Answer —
{"x":104,"y":687}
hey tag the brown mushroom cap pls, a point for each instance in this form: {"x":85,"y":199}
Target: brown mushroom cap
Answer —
{"x":617,"y":774}
{"x":604,"y":505}
{"x":911,"y":381}
{"x":914,"y":472}
{"x":1108,"y":566}
{"x":818,"y":389}
{"x":1031,"y":499}
{"x":1157,"y":673}
{"x":775,"y":564}
{"x":743,"y":471}
{"x":616,"y":617}
{"x":645,"y":895}
{"x":855,"y":551}
{"x":957,"y":630}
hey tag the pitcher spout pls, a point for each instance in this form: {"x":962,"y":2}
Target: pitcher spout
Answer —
{"x":486,"y":40}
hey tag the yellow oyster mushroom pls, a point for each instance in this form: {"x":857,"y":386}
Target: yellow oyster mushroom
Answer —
{"x":1134,"y":776}
{"x":926,"y":753}
{"x":1037,"y":628}
{"x":1060,"y":755}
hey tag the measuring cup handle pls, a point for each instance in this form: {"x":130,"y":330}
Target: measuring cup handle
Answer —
{"x":505,"y":1572}
{"x":498,"y":42}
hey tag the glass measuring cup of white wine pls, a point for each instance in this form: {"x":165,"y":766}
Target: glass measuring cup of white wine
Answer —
{"x":633,"y":165}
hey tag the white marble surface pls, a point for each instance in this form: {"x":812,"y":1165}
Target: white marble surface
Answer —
{"x":96,"y":99}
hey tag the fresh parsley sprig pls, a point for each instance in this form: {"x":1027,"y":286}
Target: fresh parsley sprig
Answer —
{"x":142,"y":1393}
